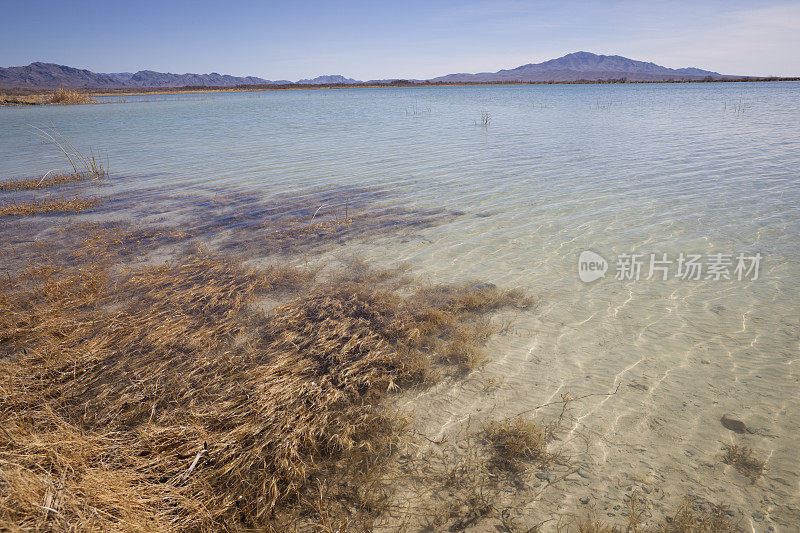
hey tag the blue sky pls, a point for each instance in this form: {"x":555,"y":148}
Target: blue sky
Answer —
{"x":407,"y":39}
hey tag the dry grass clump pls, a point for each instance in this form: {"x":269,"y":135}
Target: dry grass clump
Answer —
{"x":478,"y":297}
{"x":140,"y":389}
{"x":743,"y":459}
{"x":70,"y":96}
{"x":57,"y":205}
{"x":163,"y":398}
{"x":515,"y":441}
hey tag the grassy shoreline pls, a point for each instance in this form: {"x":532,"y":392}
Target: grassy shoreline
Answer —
{"x":24,"y":96}
{"x":60,"y":96}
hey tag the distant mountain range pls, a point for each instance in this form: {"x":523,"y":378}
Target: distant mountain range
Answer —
{"x":572,"y":67}
{"x":49,"y":75}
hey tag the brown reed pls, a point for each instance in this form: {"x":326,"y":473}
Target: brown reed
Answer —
{"x":88,"y":165}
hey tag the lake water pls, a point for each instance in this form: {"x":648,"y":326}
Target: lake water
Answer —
{"x":560,"y":169}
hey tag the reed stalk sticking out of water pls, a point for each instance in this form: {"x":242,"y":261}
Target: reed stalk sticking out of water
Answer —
{"x":87,"y":165}
{"x":83,"y":167}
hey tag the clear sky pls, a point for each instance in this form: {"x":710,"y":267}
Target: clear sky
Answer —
{"x":405,"y":39}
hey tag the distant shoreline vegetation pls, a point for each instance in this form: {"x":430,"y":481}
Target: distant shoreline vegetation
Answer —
{"x":33,"y":96}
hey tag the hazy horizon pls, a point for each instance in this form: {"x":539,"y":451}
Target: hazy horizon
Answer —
{"x":413,"y":40}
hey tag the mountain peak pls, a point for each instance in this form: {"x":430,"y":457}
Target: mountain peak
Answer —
{"x":582,"y":54}
{"x":330,"y":78}
{"x":582,"y":65}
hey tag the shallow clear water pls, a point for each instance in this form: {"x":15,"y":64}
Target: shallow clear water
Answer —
{"x":650,"y":168}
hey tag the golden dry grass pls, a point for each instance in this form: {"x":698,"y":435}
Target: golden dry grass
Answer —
{"x":19,"y":100}
{"x":161,"y":398}
{"x":50,"y":205}
{"x":45,"y":182}
{"x":60,"y":96}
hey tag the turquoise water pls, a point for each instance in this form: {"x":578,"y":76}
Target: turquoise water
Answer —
{"x":560,"y":169}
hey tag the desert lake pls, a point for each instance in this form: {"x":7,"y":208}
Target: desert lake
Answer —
{"x":509,"y":185}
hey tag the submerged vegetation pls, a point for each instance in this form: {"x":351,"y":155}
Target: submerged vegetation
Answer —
{"x":51,"y":205}
{"x":161,"y":398}
{"x":693,"y":515}
{"x":516,"y":440}
{"x":744,"y":460}
{"x":206,"y":394}
{"x":52,"y":179}
{"x":201,"y":393}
